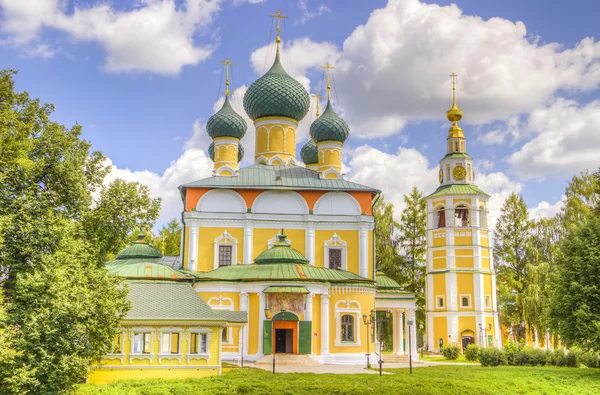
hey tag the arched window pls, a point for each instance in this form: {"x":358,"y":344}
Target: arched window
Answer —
{"x":456,"y":146}
{"x":461,"y":214}
{"x":441,"y":218}
{"x":347,"y":328}
{"x":482,"y":217}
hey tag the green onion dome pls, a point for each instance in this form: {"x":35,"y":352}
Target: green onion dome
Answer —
{"x":310,"y":153}
{"x":211,"y":152}
{"x":276,"y":94}
{"x":226,"y":123}
{"x":139,"y":249}
{"x":329,"y":127}
{"x":281,"y":252}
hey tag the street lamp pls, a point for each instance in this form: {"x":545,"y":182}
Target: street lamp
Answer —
{"x":380,"y":321}
{"x":410,"y":323}
{"x":368,"y":320}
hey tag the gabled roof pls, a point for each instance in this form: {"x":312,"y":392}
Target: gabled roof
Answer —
{"x":172,"y":301}
{"x":278,"y":177}
{"x":458,"y":189}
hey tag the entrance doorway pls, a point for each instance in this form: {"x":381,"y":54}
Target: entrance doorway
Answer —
{"x":284,"y":340}
{"x":466,"y":340}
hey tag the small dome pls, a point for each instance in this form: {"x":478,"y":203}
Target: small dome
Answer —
{"x":310,"y":153}
{"x":139,"y":249}
{"x":329,"y":126}
{"x":226,"y":123}
{"x":454,"y":114}
{"x":276,"y":94}
{"x":281,"y":252}
{"x":211,"y":152}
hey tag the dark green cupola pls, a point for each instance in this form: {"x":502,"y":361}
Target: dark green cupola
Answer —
{"x":310,"y":153}
{"x":329,"y":127}
{"x":226,"y":123}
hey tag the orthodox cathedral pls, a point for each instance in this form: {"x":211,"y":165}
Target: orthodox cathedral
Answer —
{"x":281,"y":256}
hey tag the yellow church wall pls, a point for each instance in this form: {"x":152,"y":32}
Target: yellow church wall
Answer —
{"x":253,"y":321}
{"x":350,"y":237}
{"x":466,"y":325}
{"x":276,"y":139}
{"x":261,"y":139}
{"x":367,"y":303}
{"x":290,"y":140}
{"x":458,"y":201}
{"x":487,"y":290}
{"x":439,"y":289}
{"x":440,"y":331}
{"x":316,"y":325}
{"x":186,"y":247}
{"x":465,"y":287}
{"x":463,"y":240}
{"x":440,"y":240}
{"x":439,"y":263}
{"x":206,"y":245}
{"x":441,"y":202}
{"x":261,"y":238}
{"x":485,"y":258}
{"x":463,"y":252}
{"x":463,"y":262}
{"x":483,"y":238}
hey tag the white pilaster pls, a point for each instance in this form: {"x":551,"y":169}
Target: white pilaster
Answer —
{"x":452,"y":320}
{"x":395,"y":330}
{"x":261,"y":329}
{"x":324,"y":325}
{"x":398,"y":332}
{"x":431,"y":342}
{"x":248,"y":232}
{"x":310,"y":246}
{"x":244,"y":307}
{"x":363,"y":253}
{"x":451,"y":294}
{"x":308,"y":311}
{"x":478,"y":290}
{"x":193,"y":249}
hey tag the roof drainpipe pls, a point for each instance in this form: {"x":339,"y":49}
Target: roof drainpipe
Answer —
{"x":373,"y":234}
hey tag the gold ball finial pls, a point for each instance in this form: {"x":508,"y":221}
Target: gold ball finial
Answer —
{"x":454,"y":114}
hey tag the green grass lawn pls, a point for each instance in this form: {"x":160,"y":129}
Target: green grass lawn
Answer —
{"x":440,"y":358}
{"x":426,"y":380}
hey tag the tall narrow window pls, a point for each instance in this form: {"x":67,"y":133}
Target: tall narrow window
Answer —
{"x":440,"y":302}
{"x":456,"y":146}
{"x":225,"y":335}
{"x":462,"y":216}
{"x":142,"y":343}
{"x":225,"y":255}
{"x":198,"y":343}
{"x":170,"y":343}
{"x":447,"y":172}
{"x":347,"y":328}
{"x":441,"y":218}
{"x":335,"y":258}
{"x":488,"y":302}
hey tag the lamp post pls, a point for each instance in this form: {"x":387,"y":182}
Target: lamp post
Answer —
{"x":380,"y":321}
{"x":410,"y":323}
{"x":368,"y":320}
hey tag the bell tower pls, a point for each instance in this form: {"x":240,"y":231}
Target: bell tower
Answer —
{"x":461,"y":284}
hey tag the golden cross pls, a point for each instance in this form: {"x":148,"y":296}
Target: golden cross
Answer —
{"x":227,"y":63}
{"x":328,"y":68}
{"x":317,"y":96}
{"x":453,"y":75}
{"x":279,"y":18}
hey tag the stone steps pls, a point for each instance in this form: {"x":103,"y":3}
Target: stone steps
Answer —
{"x":287,"y":359}
{"x":393,"y":358}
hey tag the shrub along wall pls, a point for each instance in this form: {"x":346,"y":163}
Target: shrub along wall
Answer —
{"x":516,"y":355}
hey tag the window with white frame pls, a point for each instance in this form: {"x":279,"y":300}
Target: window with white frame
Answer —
{"x":465,"y":301}
{"x":488,"y":301}
{"x":347,"y":315}
{"x":170,"y":343}
{"x":336,"y":256}
{"x":222,"y":303}
{"x":225,"y":253}
{"x":440,"y":302}
{"x":348,"y":328}
{"x":118,"y":343}
{"x":142,"y":343}
{"x":198,"y":343}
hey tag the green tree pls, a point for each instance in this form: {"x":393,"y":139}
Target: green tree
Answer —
{"x":412,"y":242}
{"x":576,"y":304}
{"x":511,"y":254}
{"x":386,"y":241}
{"x":582,"y":198}
{"x":168,"y":240}
{"x":122,"y":207}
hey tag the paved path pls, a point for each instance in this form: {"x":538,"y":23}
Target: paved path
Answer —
{"x":336,"y":369}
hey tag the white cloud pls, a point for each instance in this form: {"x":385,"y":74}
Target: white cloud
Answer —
{"x":545,"y":209}
{"x":43,"y":51}
{"x":308,"y":14}
{"x":158,"y":36}
{"x":567,"y":141}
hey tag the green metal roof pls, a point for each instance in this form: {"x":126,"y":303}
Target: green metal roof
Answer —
{"x":276,"y":94}
{"x":139,"y":249}
{"x":153,"y":300}
{"x":226,"y":123}
{"x":457,"y":155}
{"x":281,"y":272}
{"x":310,"y":153}
{"x":458,"y":189}
{"x":278,"y":177}
{"x":144,"y":268}
{"x":281,"y":253}
{"x":329,"y":127}
{"x":286,"y":290}
{"x":384,"y":282}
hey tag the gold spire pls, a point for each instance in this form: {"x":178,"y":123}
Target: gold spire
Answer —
{"x":317,"y":96}
{"x":328,"y":68}
{"x":227,"y":63}
{"x":454,"y":114}
{"x":279,"y":18}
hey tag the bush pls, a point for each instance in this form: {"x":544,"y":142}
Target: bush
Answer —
{"x":523,"y":357}
{"x":538,"y":357}
{"x":510,"y":353}
{"x":572,"y":359}
{"x":558,"y":358}
{"x":472,"y":352}
{"x":491,"y":357}
{"x":451,"y":352}
{"x":590,"y":360}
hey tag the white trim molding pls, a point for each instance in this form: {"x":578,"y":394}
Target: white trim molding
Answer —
{"x":225,"y":240}
{"x":170,"y":331}
{"x":347,"y":307}
{"x":221,"y":201}
{"x":201,"y":355}
{"x":229,"y":305}
{"x":133,"y":355}
{"x":336,"y":243}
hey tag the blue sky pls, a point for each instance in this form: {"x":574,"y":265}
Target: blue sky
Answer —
{"x":143,"y":76}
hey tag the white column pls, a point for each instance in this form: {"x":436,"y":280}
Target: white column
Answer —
{"x":452,"y":320}
{"x":261,"y":315}
{"x":432,"y":344}
{"x":310,"y":245}
{"x":324,"y":326}
{"x":401,"y":332}
{"x":248,"y":231}
{"x":479,"y":298}
{"x":413,"y":334}
{"x":363,"y":253}
{"x":181,"y":243}
{"x":395,"y":338}
{"x":193,"y":249}
{"x":244,"y":307}
{"x":308,"y":311}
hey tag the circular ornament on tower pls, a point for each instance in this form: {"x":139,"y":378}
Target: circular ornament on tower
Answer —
{"x":459,"y":173}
